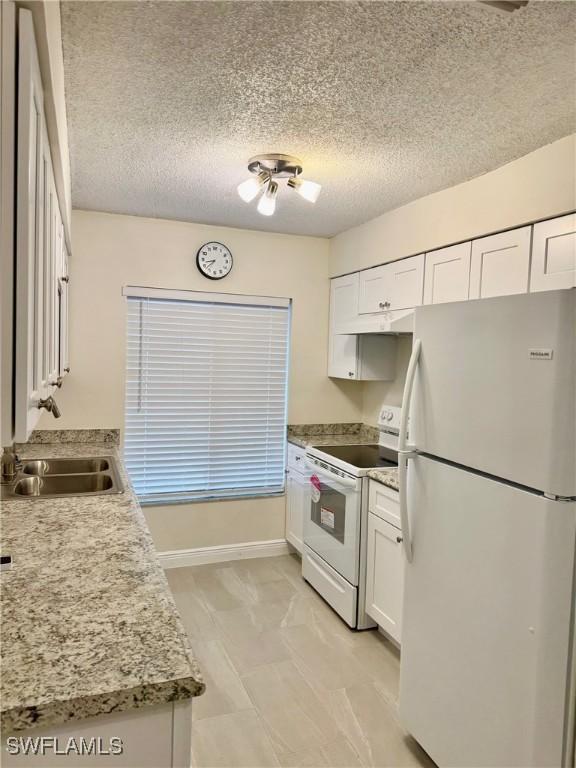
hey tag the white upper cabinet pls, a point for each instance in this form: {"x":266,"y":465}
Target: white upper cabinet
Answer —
{"x":554,"y":254}
{"x":343,"y":299}
{"x":405,"y":282}
{"x":447,"y":274}
{"x":396,"y":285}
{"x":500,"y":264}
{"x":342,"y":350}
{"x":33,"y":223}
{"x":63,"y":296}
{"x":39,"y":322}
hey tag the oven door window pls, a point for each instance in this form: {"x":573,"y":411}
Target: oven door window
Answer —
{"x":332,"y":523}
{"x":329,"y":512}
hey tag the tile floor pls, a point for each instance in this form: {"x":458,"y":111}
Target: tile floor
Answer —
{"x":288,"y":684}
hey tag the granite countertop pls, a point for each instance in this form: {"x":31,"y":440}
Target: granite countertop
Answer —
{"x":89,"y":625}
{"x":387,"y":477}
{"x":304,"y":435}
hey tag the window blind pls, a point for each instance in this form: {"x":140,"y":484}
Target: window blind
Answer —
{"x":206,"y":397}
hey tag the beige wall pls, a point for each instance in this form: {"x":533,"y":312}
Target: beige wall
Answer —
{"x":375,"y":393}
{"x":537,"y":186}
{"x":111,"y":251}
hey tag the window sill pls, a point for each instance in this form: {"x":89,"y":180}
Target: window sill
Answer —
{"x":169,"y":500}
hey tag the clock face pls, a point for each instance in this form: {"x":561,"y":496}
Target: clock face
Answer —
{"x":214,"y":260}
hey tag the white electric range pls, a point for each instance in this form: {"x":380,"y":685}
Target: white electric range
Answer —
{"x":334,"y":555}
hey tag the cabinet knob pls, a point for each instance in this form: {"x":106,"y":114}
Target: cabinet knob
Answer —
{"x":399,"y":539}
{"x":350,"y":373}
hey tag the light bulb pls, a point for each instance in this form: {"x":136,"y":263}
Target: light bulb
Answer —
{"x":249,"y":189}
{"x":267,"y":203}
{"x":309,"y":190}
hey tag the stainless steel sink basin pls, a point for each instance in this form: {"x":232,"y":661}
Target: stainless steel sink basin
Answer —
{"x":63,"y":485}
{"x":54,"y":478}
{"x":65,"y":466}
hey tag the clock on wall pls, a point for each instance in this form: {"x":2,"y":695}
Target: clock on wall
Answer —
{"x":214,"y":260}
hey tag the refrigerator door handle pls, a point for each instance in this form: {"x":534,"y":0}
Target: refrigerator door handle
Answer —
{"x":407,"y":396}
{"x":405,"y":451}
{"x":404,"y":518}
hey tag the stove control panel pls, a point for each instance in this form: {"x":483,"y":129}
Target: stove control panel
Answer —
{"x":389,"y":426}
{"x":389,"y":418}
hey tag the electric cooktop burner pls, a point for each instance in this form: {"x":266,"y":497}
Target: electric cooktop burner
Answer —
{"x":362,"y":456}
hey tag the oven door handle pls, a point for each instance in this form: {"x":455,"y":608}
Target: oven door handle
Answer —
{"x":347,"y":481}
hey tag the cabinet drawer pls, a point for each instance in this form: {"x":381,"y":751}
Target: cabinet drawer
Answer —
{"x":296,"y":457}
{"x":384,"y":502}
{"x":339,"y":593}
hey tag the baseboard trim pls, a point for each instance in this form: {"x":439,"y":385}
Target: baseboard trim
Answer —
{"x":180,"y":558}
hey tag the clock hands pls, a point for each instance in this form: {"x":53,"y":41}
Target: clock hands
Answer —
{"x":209,"y":263}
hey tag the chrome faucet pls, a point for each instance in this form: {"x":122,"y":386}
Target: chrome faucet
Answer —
{"x":49,"y":404}
{"x":10,"y":465}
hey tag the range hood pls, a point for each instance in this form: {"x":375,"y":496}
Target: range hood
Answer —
{"x":392,"y":322}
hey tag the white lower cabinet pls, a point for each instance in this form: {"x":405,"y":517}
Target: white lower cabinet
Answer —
{"x":385,"y":572}
{"x":147,"y":737}
{"x":554,"y":254}
{"x":297,"y":496}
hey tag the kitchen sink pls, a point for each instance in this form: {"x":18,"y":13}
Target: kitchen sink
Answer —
{"x":65,"y":466}
{"x":54,"y":478}
{"x":60,"y":485}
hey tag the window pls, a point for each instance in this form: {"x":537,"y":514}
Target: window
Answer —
{"x":206,"y":394}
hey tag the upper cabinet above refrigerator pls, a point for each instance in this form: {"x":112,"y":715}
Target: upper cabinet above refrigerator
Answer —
{"x":447,"y":274}
{"x":500,"y":264}
{"x":554,"y":254}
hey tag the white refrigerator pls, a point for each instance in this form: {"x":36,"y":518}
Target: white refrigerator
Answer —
{"x":488,"y":489}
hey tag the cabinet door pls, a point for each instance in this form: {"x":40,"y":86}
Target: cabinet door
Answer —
{"x":404,"y":280}
{"x":385,"y":576}
{"x":63,"y":295}
{"x":373,"y":290}
{"x":500,"y":264}
{"x":554,"y":254}
{"x":33,"y":168}
{"x":447,"y":274}
{"x":396,"y":285}
{"x":297,"y":499}
{"x":52,"y":282}
{"x":342,"y":350}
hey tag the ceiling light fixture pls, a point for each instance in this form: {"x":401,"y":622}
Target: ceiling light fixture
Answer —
{"x":267,"y":203}
{"x":249,"y":189}
{"x":268,"y":168}
{"x":309,"y":190}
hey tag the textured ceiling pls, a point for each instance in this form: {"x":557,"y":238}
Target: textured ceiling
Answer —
{"x":383,"y":101}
